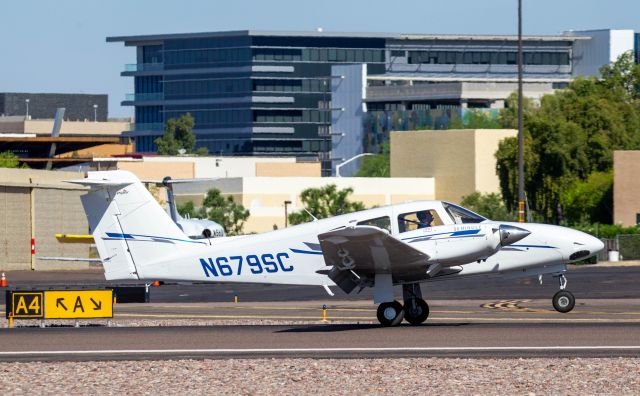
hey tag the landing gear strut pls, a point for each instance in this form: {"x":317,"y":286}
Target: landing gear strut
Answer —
{"x":563,"y":301}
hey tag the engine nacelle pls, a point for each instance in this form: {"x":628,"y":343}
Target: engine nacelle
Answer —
{"x":461,"y":244}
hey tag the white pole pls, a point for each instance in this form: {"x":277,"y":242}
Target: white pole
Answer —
{"x":340,"y":165}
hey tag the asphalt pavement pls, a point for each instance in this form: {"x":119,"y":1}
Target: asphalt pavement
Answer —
{"x":588,"y":281}
{"x":323,"y":341}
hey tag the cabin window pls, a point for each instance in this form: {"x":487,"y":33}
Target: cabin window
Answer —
{"x":380,"y":222}
{"x":461,"y":215}
{"x":418,"y":219}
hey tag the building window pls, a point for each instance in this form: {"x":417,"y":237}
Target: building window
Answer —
{"x":487,"y":57}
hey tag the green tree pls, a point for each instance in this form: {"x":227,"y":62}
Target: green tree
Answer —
{"x":188,"y":210}
{"x":478,"y":119}
{"x":489,"y":205}
{"x":376,"y":165}
{"x":325,"y":202}
{"x":9,"y":160}
{"x":178,"y":134}
{"x":202,"y":152}
{"x":590,"y":200}
{"x":571,"y":135}
{"x":224,"y":211}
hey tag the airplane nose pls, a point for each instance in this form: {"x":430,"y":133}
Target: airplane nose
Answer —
{"x":586,"y":247}
{"x":511,"y":234}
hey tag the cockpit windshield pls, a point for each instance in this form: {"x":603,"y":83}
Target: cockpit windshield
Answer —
{"x":461,"y":215}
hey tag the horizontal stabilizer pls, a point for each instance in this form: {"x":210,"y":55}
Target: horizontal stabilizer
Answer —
{"x":116,"y":179}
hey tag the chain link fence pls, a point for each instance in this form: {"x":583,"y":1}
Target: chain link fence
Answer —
{"x":629,"y":246}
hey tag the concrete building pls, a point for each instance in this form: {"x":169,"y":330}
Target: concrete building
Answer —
{"x":265,"y":196}
{"x":460,"y":161}
{"x":603,"y":47}
{"x":79,"y":107}
{"x":432,"y":81}
{"x":38,"y":204}
{"x":626,"y":187}
{"x":186,"y":167}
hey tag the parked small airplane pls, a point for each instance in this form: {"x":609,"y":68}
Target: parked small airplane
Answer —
{"x":193,"y":227}
{"x":404,"y":244}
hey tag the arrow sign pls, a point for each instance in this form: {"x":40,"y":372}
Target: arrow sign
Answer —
{"x":77,"y":304}
{"x":97,"y":305}
{"x":59,"y":303}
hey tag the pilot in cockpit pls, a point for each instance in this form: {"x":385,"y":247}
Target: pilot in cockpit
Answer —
{"x":425,"y":218}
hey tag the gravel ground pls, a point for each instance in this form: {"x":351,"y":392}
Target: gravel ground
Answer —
{"x":619,"y":376}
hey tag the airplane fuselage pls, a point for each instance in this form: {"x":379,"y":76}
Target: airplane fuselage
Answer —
{"x":293,"y":255}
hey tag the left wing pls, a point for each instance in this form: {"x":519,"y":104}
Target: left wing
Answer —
{"x":357,"y":254}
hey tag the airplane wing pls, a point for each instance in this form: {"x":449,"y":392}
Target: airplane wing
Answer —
{"x":357,"y":254}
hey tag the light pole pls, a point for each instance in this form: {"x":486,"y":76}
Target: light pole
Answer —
{"x":286,"y":213}
{"x":520,"y":121}
{"x":340,"y":165}
{"x":95,"y":113}
{"x":26,"y":101}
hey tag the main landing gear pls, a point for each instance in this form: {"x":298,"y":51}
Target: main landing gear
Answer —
{"x":563,"y":301}
{"x":415,"y":309}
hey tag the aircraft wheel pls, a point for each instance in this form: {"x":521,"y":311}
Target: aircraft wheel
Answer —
{"x":416,"y":311}
{"x":564,"y":301}
{"x":390,"y":313}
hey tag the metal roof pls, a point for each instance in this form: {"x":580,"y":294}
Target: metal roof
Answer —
{"x":379,"y":35}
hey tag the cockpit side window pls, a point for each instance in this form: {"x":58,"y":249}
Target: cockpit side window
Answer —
{"x":461,"y":215}
{"x":420,"y":219}
{"x":380,"y":222}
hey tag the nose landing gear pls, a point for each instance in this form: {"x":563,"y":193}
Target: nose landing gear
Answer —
{"x":563,"y":301}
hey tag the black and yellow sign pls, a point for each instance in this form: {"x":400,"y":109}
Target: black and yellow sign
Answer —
{"x":78,"y":304}
{"x":60,"y":304}
{"x":26,"y":305}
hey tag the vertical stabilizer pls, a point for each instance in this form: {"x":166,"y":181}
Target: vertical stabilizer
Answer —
{"x":130,"y":229}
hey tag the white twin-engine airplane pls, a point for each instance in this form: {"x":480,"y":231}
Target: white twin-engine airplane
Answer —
{"x":404,"y":244}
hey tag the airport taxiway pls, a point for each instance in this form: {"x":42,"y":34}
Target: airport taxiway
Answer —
{"x":493,"y":317}
{"x":470,"y":328}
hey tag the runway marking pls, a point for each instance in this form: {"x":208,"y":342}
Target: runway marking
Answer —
{"x":372,"y":319}
{"x":512,"y":305}
{"x":264,"y":308}
{"x":324,"y":350}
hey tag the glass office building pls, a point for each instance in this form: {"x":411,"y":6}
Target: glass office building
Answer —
{"x":250,"y":93}
{"x":269,"y":93}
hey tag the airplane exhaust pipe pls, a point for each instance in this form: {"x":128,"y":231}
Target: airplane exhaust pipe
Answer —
{"x":511,"y":234}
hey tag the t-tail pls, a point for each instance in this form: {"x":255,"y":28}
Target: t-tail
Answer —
{"x":131,"y":230}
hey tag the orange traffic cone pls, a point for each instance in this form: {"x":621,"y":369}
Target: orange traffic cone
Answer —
{"x":156,"y":283}
{"x":3,"y":280}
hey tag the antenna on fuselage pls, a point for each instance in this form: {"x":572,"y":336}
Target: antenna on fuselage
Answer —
{"x":309,"y":213}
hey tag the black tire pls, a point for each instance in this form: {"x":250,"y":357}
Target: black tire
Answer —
{"x":416,"y":311}
{"x":390,"y":313}
{"x":563,"y":301}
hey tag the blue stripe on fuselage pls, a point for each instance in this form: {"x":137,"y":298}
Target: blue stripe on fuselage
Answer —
{"x":304,"y":251}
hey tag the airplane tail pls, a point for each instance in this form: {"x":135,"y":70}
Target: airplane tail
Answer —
{"x":130,"y":229}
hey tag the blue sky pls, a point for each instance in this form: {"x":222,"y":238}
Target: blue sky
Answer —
{"x":59,"y":46}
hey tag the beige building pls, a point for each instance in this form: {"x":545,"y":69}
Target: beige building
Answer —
{"x":43,"y":127}
{"x":626,"y":187}
{"x":187,"y":167}
{"x":460,"y":161}
{"x":38,"y":204}
{"x":265,"y":196}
